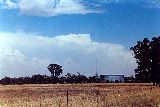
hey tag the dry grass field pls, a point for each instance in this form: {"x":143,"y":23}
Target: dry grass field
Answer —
{"x":80,"y":95}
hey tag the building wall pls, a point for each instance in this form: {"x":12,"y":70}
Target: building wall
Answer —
{"x":112,"y":78}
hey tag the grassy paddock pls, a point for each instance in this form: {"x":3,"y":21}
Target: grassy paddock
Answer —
{"x":80,"y":95}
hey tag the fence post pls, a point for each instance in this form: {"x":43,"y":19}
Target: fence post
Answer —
{"x":97,"y":92}
{"x":67,"y":98}
{"x":40,"y":100}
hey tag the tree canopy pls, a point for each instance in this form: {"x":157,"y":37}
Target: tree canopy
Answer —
{"x":55,"y":69}
{"x":147,"y":54}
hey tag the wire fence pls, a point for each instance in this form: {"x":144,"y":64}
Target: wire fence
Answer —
{"x":70,"y":97}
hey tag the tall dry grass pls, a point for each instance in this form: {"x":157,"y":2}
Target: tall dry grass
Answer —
{"x":80,"y":95}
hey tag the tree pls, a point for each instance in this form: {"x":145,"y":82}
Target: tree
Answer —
{"x":155,"y":59}
{"x":142,"y":54}
{"x":93,"y":79}
{"x":55,"y":69}
{"x":147,"y":54}
{"x":73,"y":78}
{"x":6,"y":81}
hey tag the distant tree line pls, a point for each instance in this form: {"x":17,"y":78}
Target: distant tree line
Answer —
{"x":44,"y":79}
{"x":67,"y":79}
{"x":56,"y":71}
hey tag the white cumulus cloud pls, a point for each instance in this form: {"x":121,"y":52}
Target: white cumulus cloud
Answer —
{"x":23,"y":54}
{"x":49,"y":7}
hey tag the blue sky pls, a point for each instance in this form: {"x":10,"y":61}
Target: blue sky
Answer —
{"x":121,"y":21}
{"x":101,"y":22}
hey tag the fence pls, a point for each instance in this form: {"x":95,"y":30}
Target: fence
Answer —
{"x":55,"y":98}
{"x":72,"y":95}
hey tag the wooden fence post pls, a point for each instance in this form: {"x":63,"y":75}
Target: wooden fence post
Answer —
{"x":67,"y":98}
{"x":97,"y":92}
